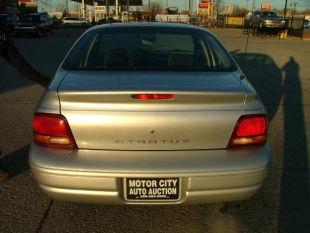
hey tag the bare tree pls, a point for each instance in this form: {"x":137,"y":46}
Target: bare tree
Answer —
{"x":218,"y":8}
{"x":10,"y":53}
{"x":155,"y":8}
{"x":238,"y":11}
{"x":44,"y":4}
{"x":61,"y":6}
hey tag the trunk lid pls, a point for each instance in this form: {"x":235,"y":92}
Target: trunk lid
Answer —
{"x":103,"y":115}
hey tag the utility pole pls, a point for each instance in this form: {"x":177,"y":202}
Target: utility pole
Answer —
{"x":116,"y":9}
{"x":83,"y":9}
{"x":107,"y":8}
{"x":217,"y":11}
{"x":128,"y":10}
{"x":149,"y":11}
{"x":285,"y":9}
{"x":93,"y":14}
{"x":167,"y":5}
{"x":294,"y":3}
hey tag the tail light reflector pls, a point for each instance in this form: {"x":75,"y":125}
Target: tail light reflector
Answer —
{"x":250,"y":130}
{"x":52,"y":130}
{"x":153,"y":96}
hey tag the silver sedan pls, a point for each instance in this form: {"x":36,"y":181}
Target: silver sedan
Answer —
{"x":149,"y":114}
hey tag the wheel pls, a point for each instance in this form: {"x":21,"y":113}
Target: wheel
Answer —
{"x":39,"y":33}
{"x":261,"y":25}
{"x":67,"y":25}
{"x":84,"y":25}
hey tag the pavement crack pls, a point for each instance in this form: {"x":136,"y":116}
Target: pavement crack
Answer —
{"x":44,"y":216}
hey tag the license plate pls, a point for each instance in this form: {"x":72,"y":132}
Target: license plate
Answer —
{"x":152,"y":188}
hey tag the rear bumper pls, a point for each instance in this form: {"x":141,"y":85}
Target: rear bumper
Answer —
{"x":199,"y":183}
{"x":227,"y":187}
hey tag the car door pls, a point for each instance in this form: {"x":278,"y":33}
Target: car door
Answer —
{"x":77,"y":22}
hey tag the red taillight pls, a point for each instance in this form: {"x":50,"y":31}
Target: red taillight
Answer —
{"x":250,"y":130}
{"x":52,"y":130}
{"x":153,"y":96}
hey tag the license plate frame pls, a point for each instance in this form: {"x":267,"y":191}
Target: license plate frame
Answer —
{"x":152,"y":189}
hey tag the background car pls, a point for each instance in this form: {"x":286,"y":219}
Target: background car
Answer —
{"x":74,"y":21}
{"x":306,"y":23}
{"x":149,"y":114}
{"x":10,"y":20}
{"x":34,"y":24}
{"x":56,"y":22}
{"x":108,"y":20}
{"x":267,"y":19}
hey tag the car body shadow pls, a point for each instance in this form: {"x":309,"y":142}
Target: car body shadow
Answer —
{"x":15,"y":163}
{"x":281,"y":92}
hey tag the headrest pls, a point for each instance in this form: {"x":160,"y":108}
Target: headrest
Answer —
{"x":180,"y":60}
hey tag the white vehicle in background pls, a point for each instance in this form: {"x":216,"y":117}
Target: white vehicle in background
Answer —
{"x":74,"y":21}
{"x":173,"y":16}
{"x":178,"y":18}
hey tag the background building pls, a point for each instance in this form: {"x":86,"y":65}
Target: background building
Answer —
{"x":205,"y":9}
{"x":28,"y":5}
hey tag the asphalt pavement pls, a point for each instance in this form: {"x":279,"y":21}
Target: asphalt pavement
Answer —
{"x":278,"y":69}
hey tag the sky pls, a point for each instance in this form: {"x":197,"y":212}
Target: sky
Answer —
{"x":181,"y":4}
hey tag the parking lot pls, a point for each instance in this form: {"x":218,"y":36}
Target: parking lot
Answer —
{"x":280,"y":72}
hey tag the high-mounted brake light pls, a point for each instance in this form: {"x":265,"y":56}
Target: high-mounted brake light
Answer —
{"x":250,"y":130}
{"x":153,"y":96}
{"x":52,"y":130}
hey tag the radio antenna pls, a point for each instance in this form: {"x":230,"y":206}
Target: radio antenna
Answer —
{"x":247,"y":38}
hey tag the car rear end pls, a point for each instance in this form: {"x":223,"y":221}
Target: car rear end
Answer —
{"x":272,"y":20}
{"x":29,"y":26}
{"x":113,"y":129}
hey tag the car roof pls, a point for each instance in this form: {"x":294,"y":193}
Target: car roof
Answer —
{"x":148,"y":25}
{"x":40,"y":13}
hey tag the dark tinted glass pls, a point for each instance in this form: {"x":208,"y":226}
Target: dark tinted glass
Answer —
{"x":270,"y":14}
{"x":148,"y":49}
{"x":33,"y":18}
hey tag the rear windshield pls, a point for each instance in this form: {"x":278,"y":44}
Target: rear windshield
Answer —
{"x":148,"y":49}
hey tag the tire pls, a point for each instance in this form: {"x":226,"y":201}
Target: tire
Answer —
{"x":84,"y":25}
{"x":261,"y":25}
{"x":67,"y":25}
{"x":39,"y":33}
